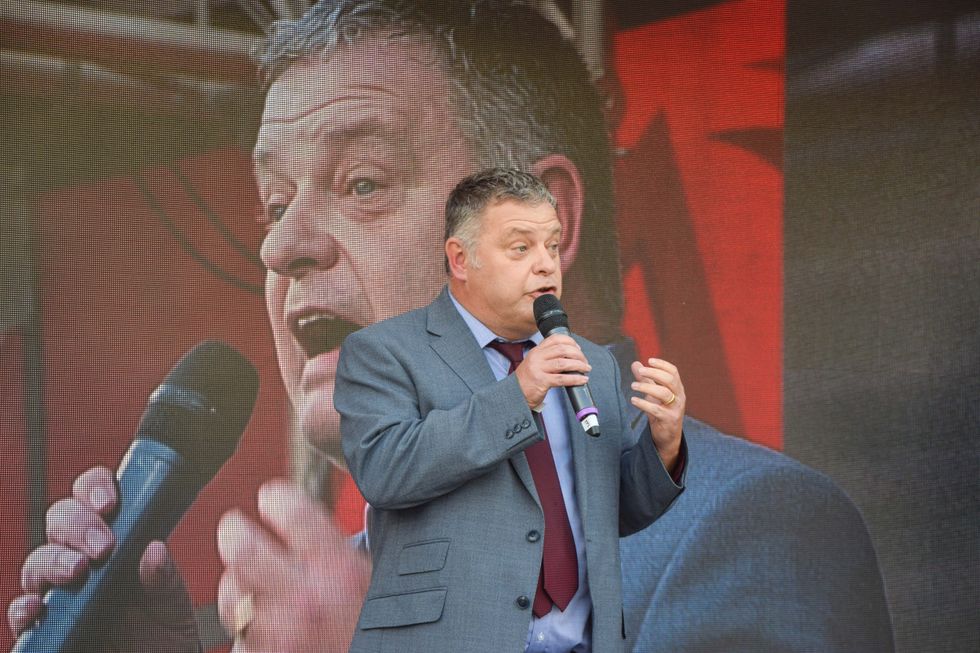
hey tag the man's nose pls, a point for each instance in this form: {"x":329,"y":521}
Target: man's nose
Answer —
{"x":300,"y":240}
{"x":545,"y":261}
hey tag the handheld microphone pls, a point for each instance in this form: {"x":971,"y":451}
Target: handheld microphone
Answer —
{"x":191,"y":426}
{"x":551,"y":318}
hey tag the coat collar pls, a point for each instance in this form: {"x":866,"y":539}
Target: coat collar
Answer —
{"x":455,"y":344}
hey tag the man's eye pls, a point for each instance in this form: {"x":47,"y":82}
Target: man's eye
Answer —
{"x":362,"y":187}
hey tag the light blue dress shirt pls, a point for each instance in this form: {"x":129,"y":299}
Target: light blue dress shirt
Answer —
{"x":559,"y":631}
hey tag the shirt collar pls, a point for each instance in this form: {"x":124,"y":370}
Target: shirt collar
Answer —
{"x":480,"y":331}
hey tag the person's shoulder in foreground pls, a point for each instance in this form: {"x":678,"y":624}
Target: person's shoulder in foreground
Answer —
{"x":761,"y":553}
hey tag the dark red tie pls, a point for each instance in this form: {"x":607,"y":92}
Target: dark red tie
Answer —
{"x":558,"y":580}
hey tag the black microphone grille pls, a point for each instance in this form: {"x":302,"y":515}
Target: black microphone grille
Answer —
{"x":549,"y":314}
{"x":203,"y":405}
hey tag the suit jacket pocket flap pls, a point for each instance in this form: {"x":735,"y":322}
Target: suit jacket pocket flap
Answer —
{"x":423,"y":556}
{"x":422,"y":607}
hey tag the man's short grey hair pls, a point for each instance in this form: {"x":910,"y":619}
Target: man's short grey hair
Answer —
{"x":519,"y":91}
{"x":487,"y":100}
{"x":474,"y":194}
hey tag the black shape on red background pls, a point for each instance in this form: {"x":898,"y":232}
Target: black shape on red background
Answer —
{"x":653,"y":209}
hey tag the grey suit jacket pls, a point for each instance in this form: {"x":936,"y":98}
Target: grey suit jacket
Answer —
{"x":435,"y":445}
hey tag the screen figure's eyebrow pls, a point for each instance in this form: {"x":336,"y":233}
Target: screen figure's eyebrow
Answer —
{"x":394,"y":137}
{"x":525,"y":231}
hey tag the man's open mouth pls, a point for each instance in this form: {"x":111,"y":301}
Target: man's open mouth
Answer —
{"x":320,"y":333}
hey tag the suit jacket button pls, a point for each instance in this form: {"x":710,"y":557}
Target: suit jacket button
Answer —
{"x":533,"y":536}
{"x":518,"y":428}
{"x":526,"y":423}
{"x":509,"y":434}
{"x":523,"y":602}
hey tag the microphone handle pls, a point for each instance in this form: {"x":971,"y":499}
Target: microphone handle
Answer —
{"x":581,"y":398}
{"x":156,"y":487}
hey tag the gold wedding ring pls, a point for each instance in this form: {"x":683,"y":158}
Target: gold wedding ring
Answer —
{"x":244,"y":613}
{"x":672,"y":399}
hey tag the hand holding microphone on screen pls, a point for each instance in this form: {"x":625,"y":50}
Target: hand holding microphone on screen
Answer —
{"x":154,"y":617}
{"x":112,"y":583}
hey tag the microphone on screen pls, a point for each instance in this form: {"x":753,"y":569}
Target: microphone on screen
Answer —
{"x":551,"y":318}
{"x":192,"y":424}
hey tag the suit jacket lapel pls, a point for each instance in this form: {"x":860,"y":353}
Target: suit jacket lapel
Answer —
{"x":454,"y":343}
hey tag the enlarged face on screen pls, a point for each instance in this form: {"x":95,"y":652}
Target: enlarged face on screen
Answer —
{"x":356,"y":155}
{"x":514,"y":261}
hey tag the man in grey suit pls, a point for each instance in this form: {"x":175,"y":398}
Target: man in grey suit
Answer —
{"x":460,"y":515}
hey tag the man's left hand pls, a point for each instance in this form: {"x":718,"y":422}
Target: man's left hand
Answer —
{"x":301,"y":591}
{"x":663,"y":401}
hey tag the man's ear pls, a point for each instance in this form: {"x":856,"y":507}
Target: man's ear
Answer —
{"x":562,"y":178}
{"x":456,"y":258}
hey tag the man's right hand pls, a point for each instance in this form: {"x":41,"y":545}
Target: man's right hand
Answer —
{"x":160,"y":619}
{"x":557,"y":362}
